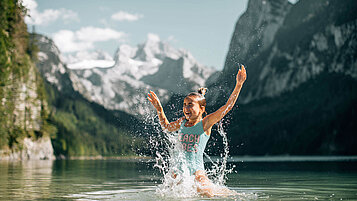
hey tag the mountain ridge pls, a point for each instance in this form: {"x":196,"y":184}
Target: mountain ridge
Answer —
{"x":136,"y":71}
{"x":299,"y":97}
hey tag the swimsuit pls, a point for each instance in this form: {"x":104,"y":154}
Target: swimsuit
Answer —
{"x":193,"y":141}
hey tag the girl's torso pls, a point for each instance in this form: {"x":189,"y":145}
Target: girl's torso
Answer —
{"x":193,"y":141}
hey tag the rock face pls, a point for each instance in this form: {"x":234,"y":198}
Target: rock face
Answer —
{"x":315,"y":38}
{"x":26,"y":101}
{"x":28,"y":106}
{"x":23,"y":107}
{"x":50,"y":65}
{"x":297,"y":43}
{"x":40,"y":149}
{"x":254,"y":33}
{"x":300,"y":94}
{"x":154,"y":65}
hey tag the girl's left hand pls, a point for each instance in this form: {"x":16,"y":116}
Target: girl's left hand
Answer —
{"x":241,"y":76}
{"x":154,"y":100}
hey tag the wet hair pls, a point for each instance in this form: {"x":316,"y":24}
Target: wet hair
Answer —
{"x":200,"y":94}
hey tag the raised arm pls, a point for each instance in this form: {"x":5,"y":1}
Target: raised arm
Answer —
{"x":165,"y":124}
{"x":216,"y":116}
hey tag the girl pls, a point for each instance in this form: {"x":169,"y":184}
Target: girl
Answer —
{"x":194,"y":130}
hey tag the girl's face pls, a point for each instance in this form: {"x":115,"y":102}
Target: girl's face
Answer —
{"x":191,"y":108}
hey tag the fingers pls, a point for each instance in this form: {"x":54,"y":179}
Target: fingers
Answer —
{"x":241,"y":75}
{"x":153,"y":98}
{"x":151,"y":101}
{"x":153,"y":94}
{"x":242,"y":71}
{"x":150,"y":98}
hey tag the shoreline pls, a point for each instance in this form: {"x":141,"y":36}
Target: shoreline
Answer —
{"x":99,"y":157}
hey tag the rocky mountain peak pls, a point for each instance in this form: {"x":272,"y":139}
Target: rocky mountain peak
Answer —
{"x":137,"y":70}
{"x":254,"y":33}
{"x":284,"y":45}
{"x":50,"y":62}
{"x":256,"y":28}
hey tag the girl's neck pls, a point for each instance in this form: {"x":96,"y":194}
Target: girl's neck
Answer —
{"x":192,"y":122}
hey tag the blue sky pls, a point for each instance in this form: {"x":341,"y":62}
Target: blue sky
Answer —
{"x":202,"y":27}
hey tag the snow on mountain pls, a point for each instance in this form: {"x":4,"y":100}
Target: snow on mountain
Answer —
{"x":153,"y":65}
{"x":86,"y":59}
{"x":88,"y":64}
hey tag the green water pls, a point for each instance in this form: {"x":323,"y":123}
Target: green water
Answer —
{"x":135,"y":180}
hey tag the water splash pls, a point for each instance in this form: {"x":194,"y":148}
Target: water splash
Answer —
{"x":178,"y":182}
{"x":219,"y":171}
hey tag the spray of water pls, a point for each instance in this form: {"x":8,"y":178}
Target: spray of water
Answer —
{"x":219,"y":171}
{"x":177,"y":181}
{"x":170,"y":160}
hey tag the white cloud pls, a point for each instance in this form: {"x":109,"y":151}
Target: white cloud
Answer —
{"x":67,"y":41}
{"x":124,"y":16}
{"x":84,"y":39}
{"x":47,"y":16}
{"x":94,"y":34}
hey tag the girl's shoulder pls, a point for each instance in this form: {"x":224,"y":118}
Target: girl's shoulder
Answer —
{"x":181,"y":120}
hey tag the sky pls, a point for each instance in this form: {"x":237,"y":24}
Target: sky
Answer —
{"x":204,"y":28}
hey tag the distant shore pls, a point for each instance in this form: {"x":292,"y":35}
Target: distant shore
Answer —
{"x":277,"y":158}
{"x":99,"y":157}
{"x":289,"y":158}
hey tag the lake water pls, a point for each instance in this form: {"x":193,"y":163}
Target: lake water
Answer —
{"x":137,"y":180}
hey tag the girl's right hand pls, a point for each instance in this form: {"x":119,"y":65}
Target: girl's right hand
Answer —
{"x":241,"y":76}
{"x":154,"y":100}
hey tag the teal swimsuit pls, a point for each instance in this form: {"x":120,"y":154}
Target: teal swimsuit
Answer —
{"x":193,"y":141}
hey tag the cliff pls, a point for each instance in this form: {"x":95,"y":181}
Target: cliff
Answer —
{"x":300,"y":95}
{"x":254,"y":33}
{"x":23,"y":108}
{"x":283,"y":46}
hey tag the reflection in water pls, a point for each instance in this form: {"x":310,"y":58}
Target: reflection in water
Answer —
{"x":128,"y":180}
{"x":25,"y":180}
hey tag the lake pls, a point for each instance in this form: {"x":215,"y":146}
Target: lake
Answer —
{"x":253,"y":179}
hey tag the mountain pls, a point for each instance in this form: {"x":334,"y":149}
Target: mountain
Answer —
{"x":254,"y":33}
{"x":300,"y":94}
{"x":153,"y":65}
{"x":81,"y":128}
{"x":102,"y":104}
